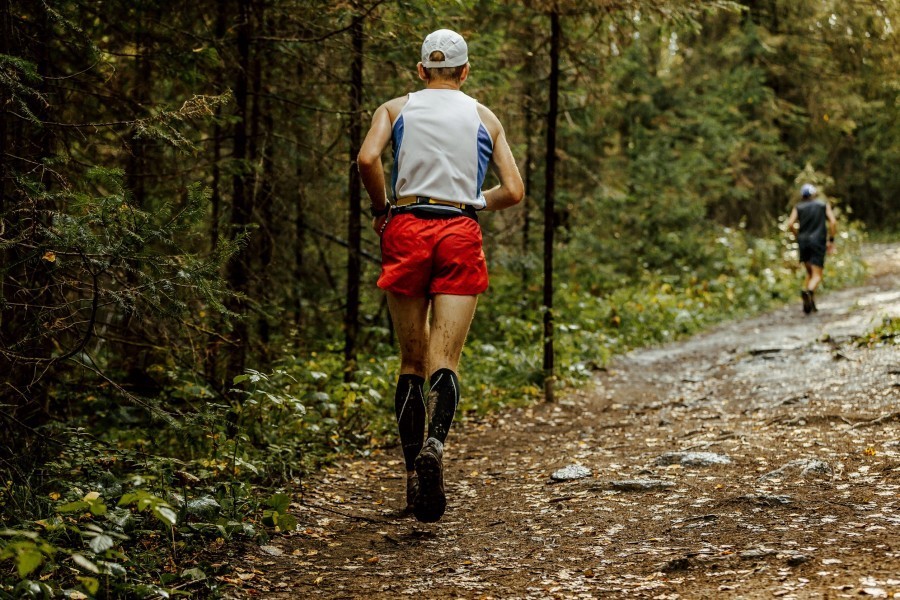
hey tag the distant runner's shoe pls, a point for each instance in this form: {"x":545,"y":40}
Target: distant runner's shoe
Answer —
{"x":412,"y":490}
{"x":812,"y":302}
{"x":807,"y":301}
{"x":430,"y":502}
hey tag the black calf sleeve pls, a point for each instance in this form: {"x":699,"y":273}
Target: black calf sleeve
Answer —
{"x":409,"y":406}
{"x":442,"y":401}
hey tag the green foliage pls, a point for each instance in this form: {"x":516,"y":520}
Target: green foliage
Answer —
{"x":887,"y":333}
{"x":278,"y":516}
{"x":146,"y":502}
{"x":17,"y":76}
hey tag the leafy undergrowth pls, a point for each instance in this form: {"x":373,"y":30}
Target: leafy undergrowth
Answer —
{"x":885,"y":334}
{"x":134,"y":494}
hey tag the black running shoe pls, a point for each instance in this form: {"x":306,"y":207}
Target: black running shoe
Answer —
{"x":431,"y":502}
{"x":812,"y":302}
{"x":807,"y":301}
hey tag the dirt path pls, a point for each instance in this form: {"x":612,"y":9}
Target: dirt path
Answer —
{"x":758,"y":460}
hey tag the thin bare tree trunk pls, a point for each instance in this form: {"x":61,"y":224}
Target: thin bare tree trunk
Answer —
{"x":549,"y":212}
{"x":354,"y":230}
{"x":241,"y":210}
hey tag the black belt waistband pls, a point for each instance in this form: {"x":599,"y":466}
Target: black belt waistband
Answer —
{"x":425,"y":211}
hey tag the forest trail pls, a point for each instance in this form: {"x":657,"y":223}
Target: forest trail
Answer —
{"x":760,"y":459}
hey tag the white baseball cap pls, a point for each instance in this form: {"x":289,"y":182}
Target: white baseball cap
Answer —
{"x":456,"y":52}
{"x":808,"y":190}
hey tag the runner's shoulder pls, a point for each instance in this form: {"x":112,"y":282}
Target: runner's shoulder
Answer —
{"x":490,"y":120}
{"x":394,"y":106}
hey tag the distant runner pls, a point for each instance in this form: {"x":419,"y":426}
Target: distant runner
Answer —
{"x":431,"y":247}
{"x":814,"y":225}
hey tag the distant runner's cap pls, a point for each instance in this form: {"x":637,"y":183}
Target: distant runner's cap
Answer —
{"x":808,"y":190}
{"x":456,"y":52}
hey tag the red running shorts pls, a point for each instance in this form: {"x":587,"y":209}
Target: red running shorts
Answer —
{"x":423,"y":257}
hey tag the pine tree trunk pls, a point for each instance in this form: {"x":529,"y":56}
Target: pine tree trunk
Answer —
{"x":215,"y":186}
{"x":354,"y":230}
{"x":261,"y":285}
{"x":211,"y":365}
{"x":549,"y":212}
{"x":238,"y":270}
{"x":529,"y":188}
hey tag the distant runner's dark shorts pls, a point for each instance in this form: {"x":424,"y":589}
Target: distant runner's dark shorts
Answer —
{"x":812,"y":253}
{"x":423,"y":257}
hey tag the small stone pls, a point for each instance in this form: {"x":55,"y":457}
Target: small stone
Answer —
{"x":768,"y":499}
{"x":797,"y":560}
{"x":272,"y":550}
{"x":676,"y":564}
{"x":756,"y":553}
{"x":571,"y":473}
{"x":640,"y":485}
{"x":693,"y":459}
{"x":806,"y":466}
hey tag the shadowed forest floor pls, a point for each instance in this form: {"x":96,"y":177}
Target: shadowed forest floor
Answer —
{"x":760,"y":459}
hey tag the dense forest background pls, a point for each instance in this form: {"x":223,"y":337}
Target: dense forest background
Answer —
{"x":189,"y":320}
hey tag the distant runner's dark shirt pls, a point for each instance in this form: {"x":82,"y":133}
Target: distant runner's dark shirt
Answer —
{"x":813,"y":223}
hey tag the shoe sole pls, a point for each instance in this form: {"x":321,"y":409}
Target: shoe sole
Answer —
{"x":431,"y":502}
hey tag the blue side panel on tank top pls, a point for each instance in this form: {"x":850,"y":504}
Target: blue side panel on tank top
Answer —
{"x":397,"y":136}
{"x":485,"y":150}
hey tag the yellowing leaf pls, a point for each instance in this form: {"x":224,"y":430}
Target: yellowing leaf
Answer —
{"x":49,"y":256}
{"x":28,"y":561}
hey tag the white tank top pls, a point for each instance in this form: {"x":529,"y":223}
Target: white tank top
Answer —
{"x":441,"y":148}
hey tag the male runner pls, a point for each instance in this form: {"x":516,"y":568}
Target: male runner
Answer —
{"x":812,"y":221}
{"x":431,"y":245}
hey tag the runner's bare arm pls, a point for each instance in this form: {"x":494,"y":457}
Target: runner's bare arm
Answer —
{"x":832,"y":221}
{"x":792,"y":221}
{"x":369,"y":159}
{"x":511,"y":189}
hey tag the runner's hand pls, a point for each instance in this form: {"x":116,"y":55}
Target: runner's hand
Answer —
{"x":379,"y":223}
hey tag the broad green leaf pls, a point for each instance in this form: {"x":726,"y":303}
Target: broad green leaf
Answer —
{"x":279,"y":502}
{"x":194,"y":574}
{"x":286,"y":522}
{"x":84,"y":563}
{"x":90,"y":584}
{"x":76,"y":506}
{"x":111,"y":568}
{"x":166,"y":515}
{"x":205,"y":507}
{"x":28,"y":561}
{"x":15,"y":533}
{"x":101,"y":543}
